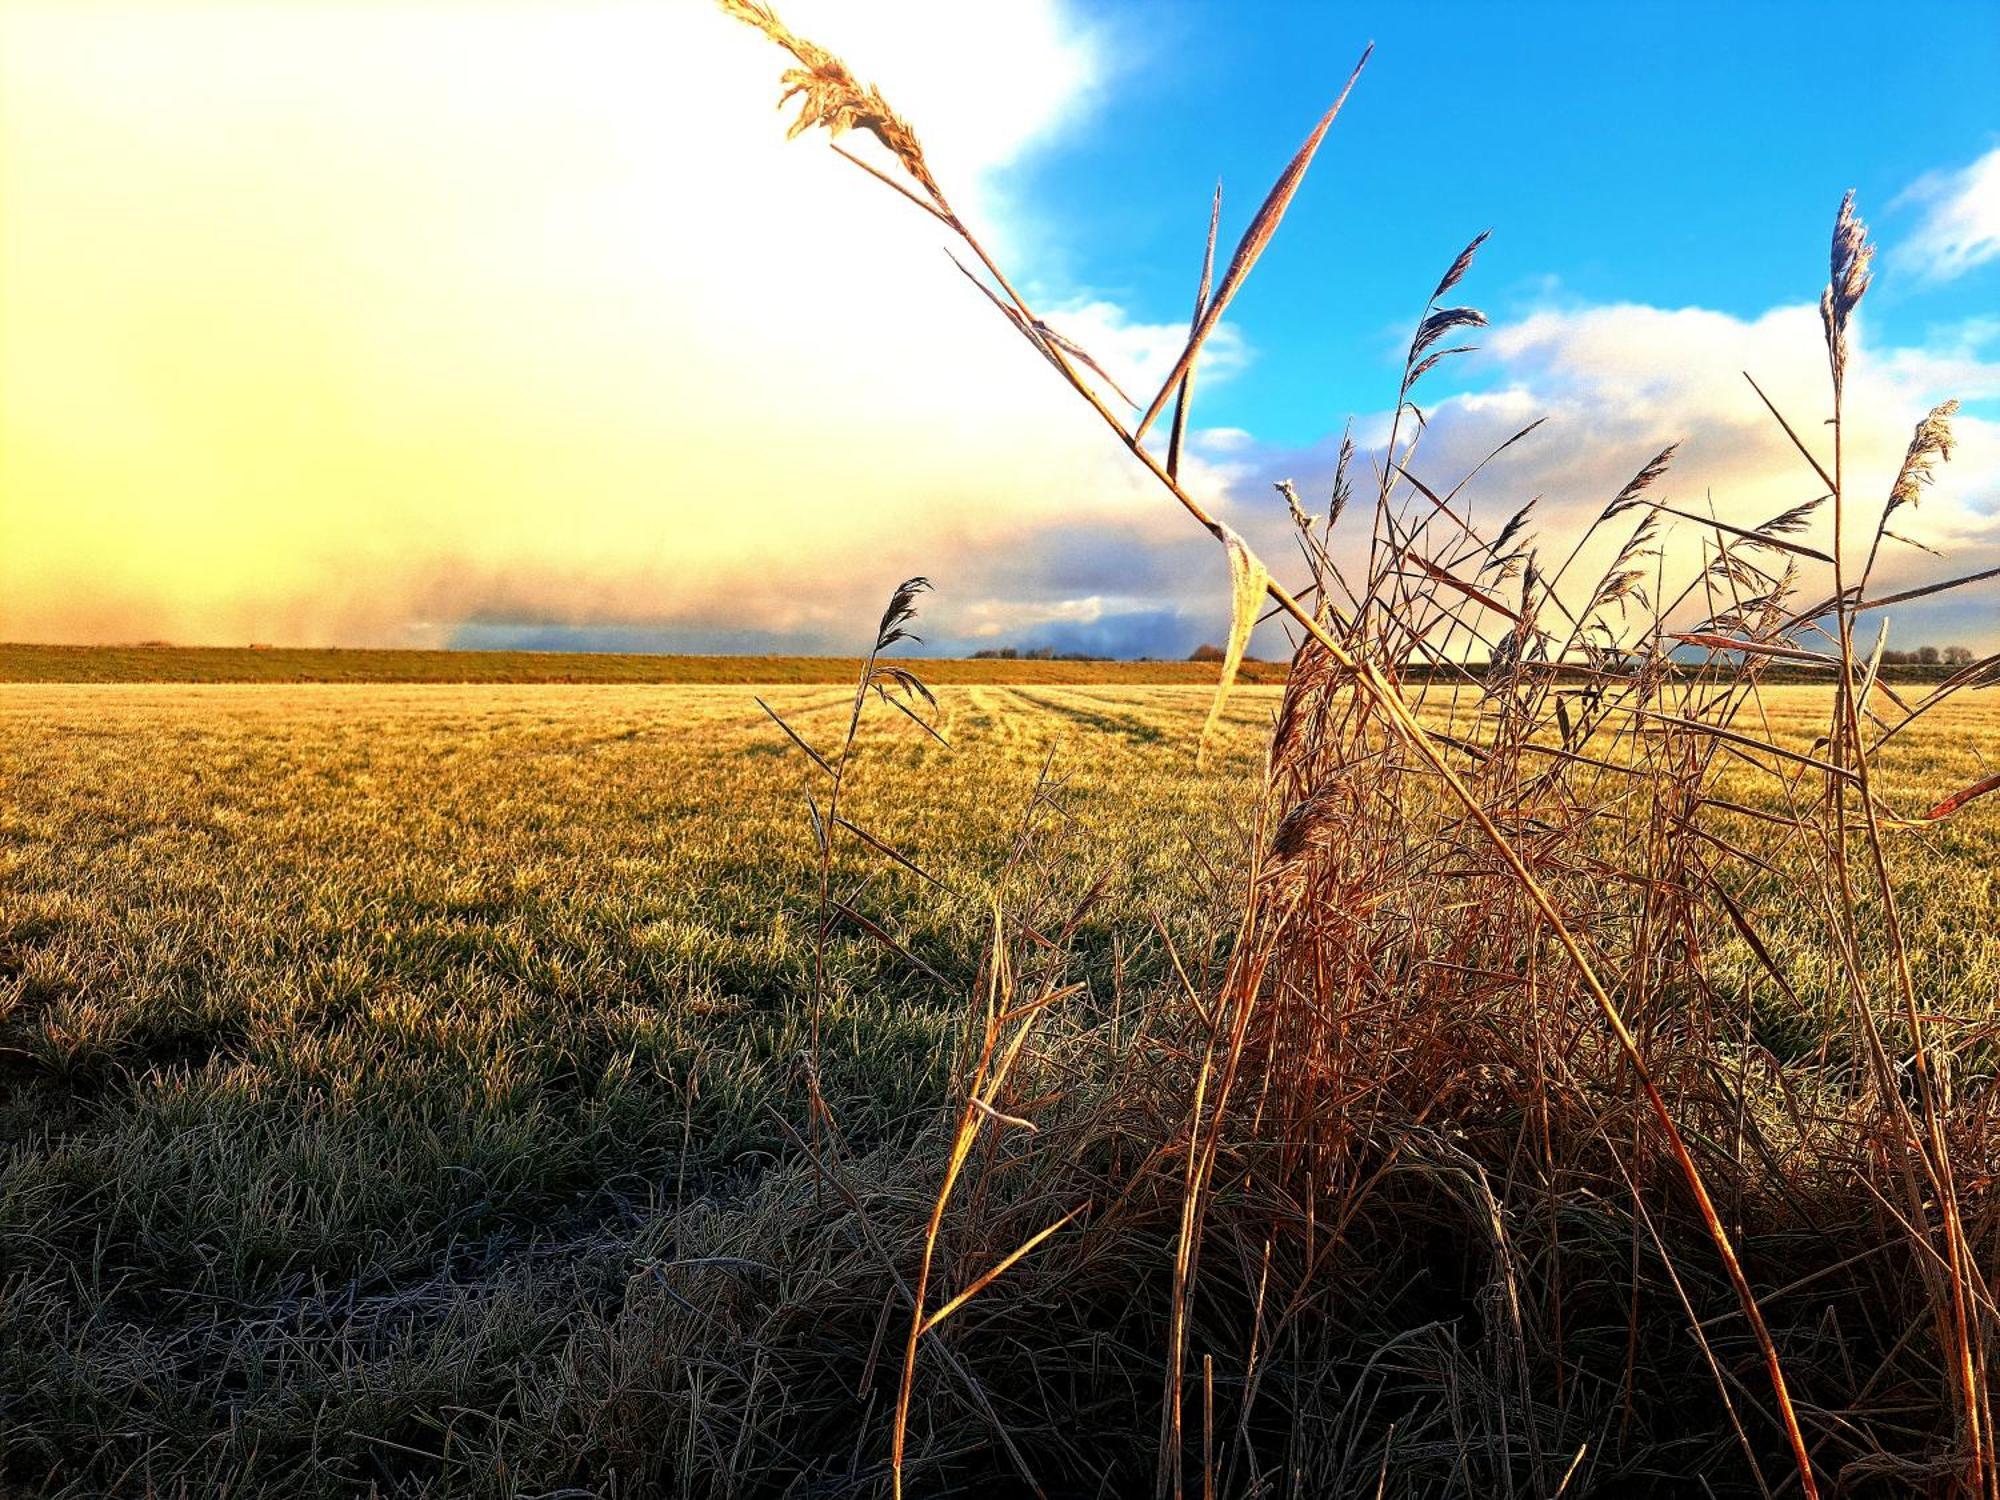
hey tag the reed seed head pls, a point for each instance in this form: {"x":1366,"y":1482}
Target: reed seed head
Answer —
{"x":830,"y":95}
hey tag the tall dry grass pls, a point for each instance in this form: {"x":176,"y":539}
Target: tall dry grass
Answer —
{"x":1499,"y":970}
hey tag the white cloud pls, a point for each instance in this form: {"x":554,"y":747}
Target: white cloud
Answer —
{"x":1221,"y":439}
{"x":1960,"y":227}
{"x":558,"y":329}
{"x":1619,"y":383}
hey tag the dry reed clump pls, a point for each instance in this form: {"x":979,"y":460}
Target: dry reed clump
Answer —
{"x":1494,"y":1044}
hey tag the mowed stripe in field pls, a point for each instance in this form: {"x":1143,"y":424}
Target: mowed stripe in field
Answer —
{"x":714,"y":720}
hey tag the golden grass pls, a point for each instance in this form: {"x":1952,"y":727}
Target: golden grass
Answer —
{"x":520,"y":971}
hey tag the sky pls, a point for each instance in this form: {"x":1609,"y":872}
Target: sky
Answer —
{"x":492,"y":323}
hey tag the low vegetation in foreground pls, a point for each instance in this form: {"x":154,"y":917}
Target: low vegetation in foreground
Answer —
{"x":409,"y":1088}
{"x":404,"y":1086}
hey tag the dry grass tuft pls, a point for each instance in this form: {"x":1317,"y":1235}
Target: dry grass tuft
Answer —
{"x":1535,"y":878}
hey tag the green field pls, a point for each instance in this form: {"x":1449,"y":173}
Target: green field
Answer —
{"x":406,"y":1086}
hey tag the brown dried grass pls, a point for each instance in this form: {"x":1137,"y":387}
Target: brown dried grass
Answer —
{"x":1475,"y":984}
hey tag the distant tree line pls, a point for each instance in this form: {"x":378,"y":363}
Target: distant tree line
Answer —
{"x":1033,"y":653}
{"x":1204,"y":652}
{"x":1929,"y":656}
{"x":1918,"y":656}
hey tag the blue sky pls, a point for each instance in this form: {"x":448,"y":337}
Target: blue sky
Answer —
{"x":1674,"y":155}
{"x":559,"y":341}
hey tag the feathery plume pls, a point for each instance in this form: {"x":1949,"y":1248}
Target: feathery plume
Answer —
{"x":831,"y":96}
{"x":1437,"y":324}
{"x":1343,"y":484}
{"x":1847,"y":281}
{"x":1929,"y":444}
{"x":1628,"y":497}
{"x":1299,"y":517}
{"x":1790,"y":522}
{"x":902,"y":609}
{"x":1460,"y":266}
